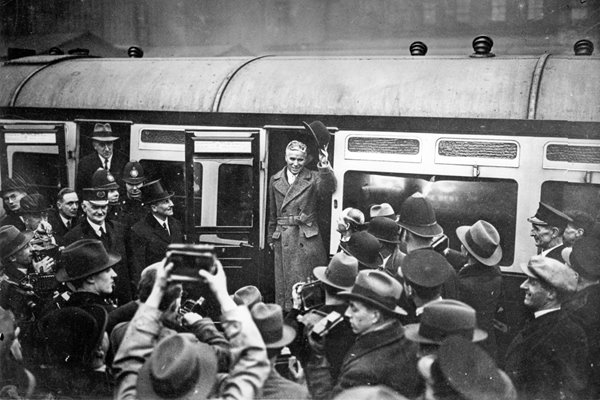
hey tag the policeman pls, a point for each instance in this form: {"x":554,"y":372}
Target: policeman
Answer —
{"x":131,"y":205}
{"x":104,"y":180}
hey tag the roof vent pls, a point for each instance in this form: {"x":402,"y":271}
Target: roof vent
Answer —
{"x":135,"y":52}
{"x":418,"y":49}
{"x":80,"y":52}
{"x":56,"y":51}
{"x":583,"y":47}
{"x":483,"y":47}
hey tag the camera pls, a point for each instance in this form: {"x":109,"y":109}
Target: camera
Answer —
{"x":326,"y":324}
{"x":312,"y":295}
{"x":188,"y":259}
{"x":441,"y":243}
{"x":192,"y":306}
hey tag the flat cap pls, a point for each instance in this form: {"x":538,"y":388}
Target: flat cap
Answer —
{"x":552,"y":272}
{"x":426,"y":267}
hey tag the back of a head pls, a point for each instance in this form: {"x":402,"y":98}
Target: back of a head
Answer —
{"x":147,"y":278}
{"x":379,"y":392}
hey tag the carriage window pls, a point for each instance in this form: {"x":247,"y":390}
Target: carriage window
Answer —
{"x":40,"y":170}
{"x":234,"y":197}
{"x":457,"y":201}
{"x":572,"y":196}
{"x":170,"y":174}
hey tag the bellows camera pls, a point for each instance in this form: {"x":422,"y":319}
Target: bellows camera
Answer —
{"x":188,"y":259}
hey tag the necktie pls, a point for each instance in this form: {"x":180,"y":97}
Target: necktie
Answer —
{"x":164,"y":225}
{"x":105,"y":163}
{"x":68,"y":224}
{"x":102,"y":232}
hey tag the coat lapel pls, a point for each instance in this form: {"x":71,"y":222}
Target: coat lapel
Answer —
{"x":159,"y":230}
{"x":302,"y":182}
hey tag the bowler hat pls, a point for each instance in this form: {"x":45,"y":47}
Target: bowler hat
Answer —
{"x":10,"y":185}
{"x":33,"y":203}
{"x":585,"y":257}
{"x":179,"y":367}
{"x":319,"y":131}
{"x":384,"y":229}
{"x":103,"y":179}
{"x":552,"y":272}
{"x":377,"y":289}
{"x":133,"y":173}
{"x":443,"y":318}
{"x":247,"y":295}
{"x":417,"y":216}
{"x":153,"y":191}
{"x":426,"y":267}
{"x":472,"y":372}
{"x":365,"y":248}
{"x":383,"y":210}
{"x":340,"y":273}
{"x":269,"y":320}
{"x":97,"y":196}
{"x":83,"y":258}
{"x":482,"y":241}
{"x":12,"y":240}
{"x":547,"y":215}
{"x":103,"y":133}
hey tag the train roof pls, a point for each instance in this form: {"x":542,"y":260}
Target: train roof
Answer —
{"x":547,"y":87}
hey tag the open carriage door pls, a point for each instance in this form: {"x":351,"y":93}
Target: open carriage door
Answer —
{"x":222,"y":199}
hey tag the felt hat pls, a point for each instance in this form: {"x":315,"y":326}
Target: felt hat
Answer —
{"x":103,"y":133}
{"x":247,"y":295}
{"x":443,"y":318}
{"x":365,"y":248}
{"x":103,"y":179}
{"x":33,"y":203}
{"x":377,"y":289}
{"x":12,"y":240}
{"x":96,"y":196}
{"x":384,"y":229}
{"x":482,"y":241}
{"x":417,"y":216}
{"x":547,"y":215}
{"x":10,"y":185}
{"x":133,"y":173}
{"x":179,"y":367}
{"x":83,"y":258}
{"x":269,"y":320}
{"x":319,"y":131}
{"x":426,"y":267}
{"x":552,"y":272}
{"x":154,"y":191}
{"x":382,"y":210}
{"x":340,"y":273}
{"x":585,"y":257}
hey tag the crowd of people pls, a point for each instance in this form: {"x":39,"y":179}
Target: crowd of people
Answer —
{"x":90,"y":307}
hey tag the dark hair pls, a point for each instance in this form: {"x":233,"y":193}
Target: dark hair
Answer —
{"x":63,"y":192}
{"x":581,"y":220}
{"x":146,"y":283}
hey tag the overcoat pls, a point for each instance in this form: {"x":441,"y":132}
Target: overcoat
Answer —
{"x":277,"y":387}
{"x":547,"y":359}
{"x":59,"y":229}
{"x":90,"y":164}
{"x":294,"y":229}
{"x":14,"y":220}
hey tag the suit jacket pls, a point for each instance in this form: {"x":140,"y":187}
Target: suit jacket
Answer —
{"x":547,"y":359}
{"x":90,"y":163}
{"x":114,"y":242}
{"x":14,"y":220}
{"x":148,"y":242}
{"x":59,"y":229}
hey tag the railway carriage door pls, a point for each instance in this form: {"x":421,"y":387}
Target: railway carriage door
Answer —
{"x":222,"y":199}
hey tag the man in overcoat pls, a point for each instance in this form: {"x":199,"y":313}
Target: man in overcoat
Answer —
{"x":64,"y":217}
{"x":547,"y":228}
{"x":12,"y":192}
{"x":295,"y":195}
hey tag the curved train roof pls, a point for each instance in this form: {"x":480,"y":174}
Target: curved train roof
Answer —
{"x":546,"y":87}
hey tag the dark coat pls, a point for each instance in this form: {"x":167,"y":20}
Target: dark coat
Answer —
{"x":547,"y":359}
{"x":298,"y":246}
{"x":276,"y":387}
{"x":59,"y":229}
{"x":14,"y":220}
{"x":382,"y":357}
{"x":148,"y":242}
{"x":15,"y":298}
{"x":480,"y":286}
{"x":90,"y":164}
{"x":132,"y":211}
{"x":393,"y":262}
{"x":556,"y":253}
{"x":86,"y":299}
{"x":114,"y":242}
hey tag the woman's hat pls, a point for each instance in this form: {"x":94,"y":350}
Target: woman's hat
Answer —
{"x":482,"y":241}
{"x":319,"y":132}
{"x":340,"y":273}
{"x":103,"y":133}
{"x":365,"y":248}
{"x":12,"y":240}
{"x":33,"y":203}
{"x":154,"y":191}
{"x":443,"y":318}
{"x":179,"y":367}
{"x":269,"y":320}
{"x":103,"y":179}
{"x":377,"y":289}
{"x":83,"y":258}
{"x":417,"y":216}
{"x":10,"y":185}
{"x":384,"y":229}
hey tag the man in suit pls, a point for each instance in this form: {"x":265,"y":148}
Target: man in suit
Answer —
{"x":64,"y":217}
{"x":150,"y":237}
{"x":103,"y":157}
{"x":387,"y":231}
{"x":12,"y":192}
{"x":547,"y":228}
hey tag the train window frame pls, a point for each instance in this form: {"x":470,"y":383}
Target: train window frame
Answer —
{"x":29,"y":153}
{"x":583,"y":203}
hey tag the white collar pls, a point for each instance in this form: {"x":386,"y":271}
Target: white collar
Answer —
{"x":545,"y":252}
{"x":97,"y":227}
{"x":291,"y":178}
{"x":538,"y":314}
{"x":160,"y":221}
{"x":64,"y":220}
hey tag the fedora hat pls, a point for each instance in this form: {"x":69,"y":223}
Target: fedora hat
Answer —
{"x":33,"y":203}
{"x":552,"y":272}
{"x":103,"y":133}
{"x":269,"y":320}
{"x":340,"y":273}
{"x":11,"y":185}
{"x":247,"y":295}
{"x":365,"y":248}
{"x":103,"y":179}
{"x":547,"y":215}
{"x":472,"y":372}
{"x":83,"y":258}
{"x":443,"y":318}
{"x":12,"y":240}
{"x":179,"y":367}
{"x":482,"y":241}
{"x":382,"y":210}
{"x":133,"y":173}
{"x":585,"y":257}
{"x":153,"y":191}
{"x":96,"y":196}
{"x":417,"y":216}
{"x":426,"y":267}
{"x":319,"y":131}
{"x":377,"y":289}
{"x":384,"y":229}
